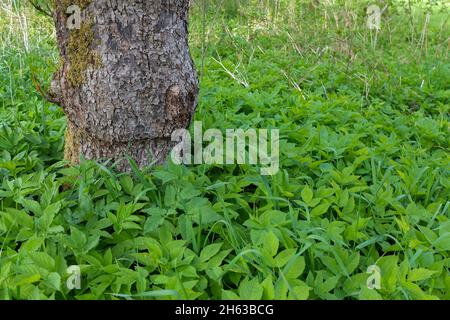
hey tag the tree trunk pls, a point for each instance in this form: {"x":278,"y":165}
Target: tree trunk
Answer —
{"x":126,"y":79}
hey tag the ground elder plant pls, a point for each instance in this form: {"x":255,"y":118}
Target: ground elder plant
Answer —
{"x":359,"y":208}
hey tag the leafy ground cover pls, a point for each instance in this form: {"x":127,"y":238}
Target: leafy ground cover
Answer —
{"x":364,"y":179}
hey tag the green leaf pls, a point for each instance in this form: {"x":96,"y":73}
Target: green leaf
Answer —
{"x":49,"y":214}
{"x":209,"y":251}
{"x":417,"y":293}
{"x":21,"y":217}
{"x":443,"y":242}
{"x":294,"y":268}
{"x":307,"y":195}
{"x":42,"y":260}
{"x":189,"y":193}
{"x":21,"y":280}
{"x":250,"y":289}
{"x":271,"y":243}
{"x":32,"y":244}
{"x":369,"y":294}
{"x":77,"y":238}
{"x":155,"y":220}
{"x":269,"y":289}
{"x":389,"y":272}
{"x":229,"y":295}
{"x":53,"y":281}
{"x":320,"y":210}
{"x":32,"y":206}
{"x":284,"y":256}
{"x":164,"y":176}
{"x":127,"y":184}
{"x":131,"y":226}
{"x":420,"y":274}
{"x":300,"y":291}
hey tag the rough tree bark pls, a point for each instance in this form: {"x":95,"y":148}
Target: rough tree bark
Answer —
{"x":126,"y":79}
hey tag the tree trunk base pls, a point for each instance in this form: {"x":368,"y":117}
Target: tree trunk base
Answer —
{"x":144,"y":152}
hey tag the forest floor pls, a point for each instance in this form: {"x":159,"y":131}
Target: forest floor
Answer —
{"x":363,"y":186}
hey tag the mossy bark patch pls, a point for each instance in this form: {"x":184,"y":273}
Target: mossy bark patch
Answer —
{"x":72,"y":144}
{"x":66,"y":3}
{"x":80,"y":54}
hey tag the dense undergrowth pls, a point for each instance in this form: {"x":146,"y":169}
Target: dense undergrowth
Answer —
{"x":364,"y":179}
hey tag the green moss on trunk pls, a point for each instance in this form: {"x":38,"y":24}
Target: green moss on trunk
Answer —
{"x":80,"y":54}
{"x":72,"y":144}
{"x":66,"y":3}
{"x":79,"y":51}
